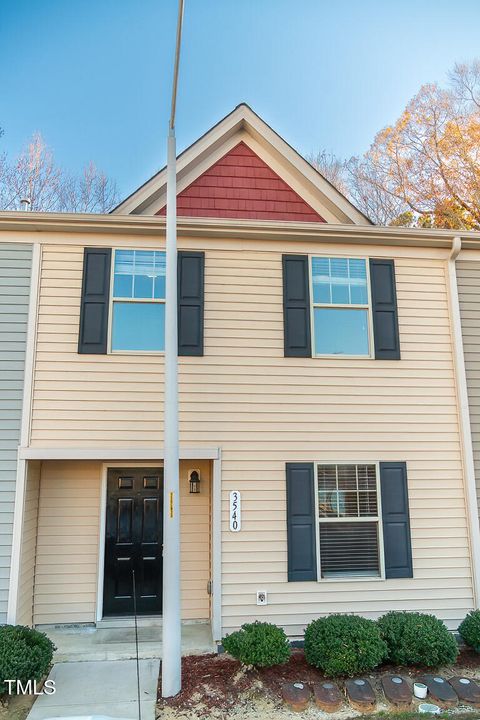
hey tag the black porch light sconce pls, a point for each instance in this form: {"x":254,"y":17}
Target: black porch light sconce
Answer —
{"x":194,"y":479}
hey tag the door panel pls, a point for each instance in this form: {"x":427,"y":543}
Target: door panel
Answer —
{"x":149,"y":577}
{"x":125,"y":521}
{"x":134,"y":535}
{"x":150,"y":523}
{"x":123,"y":578}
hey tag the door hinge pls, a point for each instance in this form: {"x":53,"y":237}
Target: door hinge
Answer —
{"x":210,"y":587}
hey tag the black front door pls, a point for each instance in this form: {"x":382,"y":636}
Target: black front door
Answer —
{"x":134,"y":535}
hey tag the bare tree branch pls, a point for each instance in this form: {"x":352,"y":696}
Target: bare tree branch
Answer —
{"x":465,"y":81}
{"x":331,"y":167}
{"x":35,"y":175}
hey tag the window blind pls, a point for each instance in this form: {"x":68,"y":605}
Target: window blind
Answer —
{"x":349,"y":549}
{"x":348,"y":520}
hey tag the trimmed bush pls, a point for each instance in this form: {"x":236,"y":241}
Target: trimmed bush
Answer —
{"x":258,"y":644}
{"x":417,"y":639}
{"x":470,"y":630}
{"x":25,"y":654}
{"x":344,"y":645}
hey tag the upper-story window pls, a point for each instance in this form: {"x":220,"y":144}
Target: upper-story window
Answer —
{"x":138,"y":301}
{"x":341,"y":306}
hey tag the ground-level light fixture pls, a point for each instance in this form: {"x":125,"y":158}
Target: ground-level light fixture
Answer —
{"x":194,"y":480}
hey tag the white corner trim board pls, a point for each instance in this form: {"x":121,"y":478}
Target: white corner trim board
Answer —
{"x":101,"y":543}
{"x":217,"y":549}
{"x":464,"y":417}
{"x":31,"y":344}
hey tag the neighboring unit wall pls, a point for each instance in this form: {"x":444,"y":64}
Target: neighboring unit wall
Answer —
{"x":29,"y":546}
{"x":264,"y":410}
{"x":15,"y":272}
{"x":68,"y":542}
{"x":468,"y":278}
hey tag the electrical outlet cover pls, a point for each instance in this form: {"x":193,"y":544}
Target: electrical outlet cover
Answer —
{"x":262,"y":597}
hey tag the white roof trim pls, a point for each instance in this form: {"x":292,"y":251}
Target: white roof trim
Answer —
{"x":90,"y":229}
{"x":130,"y":454}
{"x":216,"y":142}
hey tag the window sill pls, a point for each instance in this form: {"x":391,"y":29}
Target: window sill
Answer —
{"x":372,"y":578}
{"x":343,"y":357}
{"x":154,"y":353}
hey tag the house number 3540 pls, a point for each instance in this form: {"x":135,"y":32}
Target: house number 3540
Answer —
{"x":235,"y":511}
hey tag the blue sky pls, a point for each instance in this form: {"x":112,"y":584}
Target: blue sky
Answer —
{"x":94,"y":76}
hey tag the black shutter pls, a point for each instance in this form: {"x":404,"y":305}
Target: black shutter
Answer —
{"x":301,"y":527}
{"x":92,"y":337}
{"x":396,"y":520}
{"x":384,"y":309}
{"x":190,"y":302}
{"x":296,"y":306}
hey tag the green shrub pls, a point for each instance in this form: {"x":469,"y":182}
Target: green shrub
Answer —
{"x":232,"y":643}
{"x":344,"y":645}
{"x":25,"y":654}
{"x":258,"y":644}
{"x":470,"y":630}
{"x":417,"y":639}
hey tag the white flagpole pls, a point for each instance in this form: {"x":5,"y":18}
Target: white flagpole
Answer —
{"x":171,"y":654}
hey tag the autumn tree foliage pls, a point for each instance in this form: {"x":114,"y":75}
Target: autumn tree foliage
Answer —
{"x":424,"y":170}
{"x":34,"y":175}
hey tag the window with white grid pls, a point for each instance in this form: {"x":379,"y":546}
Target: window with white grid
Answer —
{"x":341,"y":308}
{"x":138,"y":301}
{"x":349,"y":520}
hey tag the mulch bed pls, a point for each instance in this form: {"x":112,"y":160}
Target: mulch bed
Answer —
{"x":468,"y":658}
{"x":217,"y":681}
{"x":214,"y":680}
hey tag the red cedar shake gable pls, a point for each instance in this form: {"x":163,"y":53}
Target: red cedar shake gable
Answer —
{"x":242,"y":185}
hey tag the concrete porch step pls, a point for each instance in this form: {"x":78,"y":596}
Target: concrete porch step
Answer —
{"x":90,"y":643}
{"x":148,"y":621}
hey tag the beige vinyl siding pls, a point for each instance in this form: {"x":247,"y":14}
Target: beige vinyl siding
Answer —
{"x":29,"y":545}
{"x":195,"y":541}
{"x":68,"y":543}
{"x":468,"y":279}
{"x":264,"y":410}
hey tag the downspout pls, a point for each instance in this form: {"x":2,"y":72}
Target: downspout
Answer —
{"x":464,"y":418}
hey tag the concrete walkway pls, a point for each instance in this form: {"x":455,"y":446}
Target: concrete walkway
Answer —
{"x":100,"y":688}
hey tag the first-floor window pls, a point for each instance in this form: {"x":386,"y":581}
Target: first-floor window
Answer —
{"x":138,"y":301}
{"x":349,"y":521}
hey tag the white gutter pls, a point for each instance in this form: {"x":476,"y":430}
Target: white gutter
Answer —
{"x":223,"y":228}
{"x":464,"y":417}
